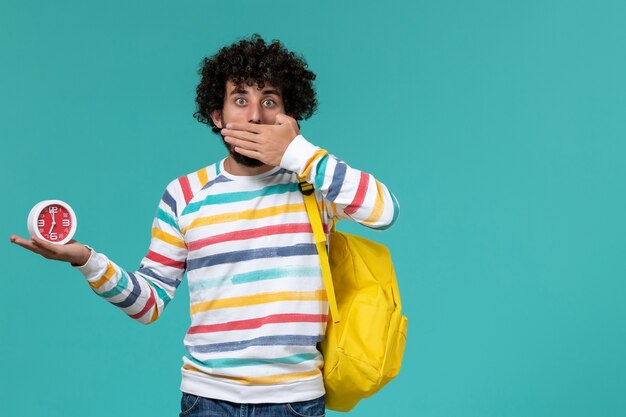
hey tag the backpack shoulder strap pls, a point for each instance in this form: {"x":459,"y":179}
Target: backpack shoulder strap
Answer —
{"x":320,"y":242}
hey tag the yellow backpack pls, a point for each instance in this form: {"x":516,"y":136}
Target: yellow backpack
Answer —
{"x":365,"y":339}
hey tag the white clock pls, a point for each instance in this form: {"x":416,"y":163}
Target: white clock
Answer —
{"x":53,"y":221}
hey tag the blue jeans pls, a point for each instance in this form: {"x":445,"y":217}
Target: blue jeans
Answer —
{"x":194,"y":406}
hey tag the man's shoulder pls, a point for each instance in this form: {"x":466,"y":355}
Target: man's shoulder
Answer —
{"x":186,"y":186}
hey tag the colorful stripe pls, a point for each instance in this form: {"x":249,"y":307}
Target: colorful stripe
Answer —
{"x":250,"y":254}
{"x":262,"y":298}
{"x":311,"y":162}
{"x":239,"y":196}
{"x":164,"y":260}
{"x":151,"y":303}
{"x":252,"y":214}
{"x":258,"y":322}
{"x":119,"y":287}
{"x":396,"y":212}
{"x":284,"y":340}
{"x":186,"y":188}
{"x":379,"y":206}
{"x":133,"y":294}
{"x":275,"y":273}
{"x":320,"y":173}
{"x":108,"y":274}
{"x":359,"y":196}
{"x":170,"y":282}
{"x":254,"y":276}
{"x":160,"y":292}
{"x":217,"y":180}
{"x":251,"y":234}
{"x":337,"y":182}
{"x":203,"y":177}
{"x":261,"y":380}
{"x":169,"y":201}
{"x":166,"y":218}
{"x":238,"y":362}
{"x":168,"y":238}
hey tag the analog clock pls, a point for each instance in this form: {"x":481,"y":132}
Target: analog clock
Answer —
{"x":53,"y":221}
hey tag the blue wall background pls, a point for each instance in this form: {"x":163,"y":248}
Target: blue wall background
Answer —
{"x":499,"y":125}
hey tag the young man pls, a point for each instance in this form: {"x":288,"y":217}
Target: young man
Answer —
{"x":240,"y":230}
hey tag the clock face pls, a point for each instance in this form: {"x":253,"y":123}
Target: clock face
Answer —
{"x":52,"y":220}
{"x":54,"y":223}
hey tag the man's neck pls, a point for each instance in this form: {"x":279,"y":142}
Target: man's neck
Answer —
{"x":233,"y":167}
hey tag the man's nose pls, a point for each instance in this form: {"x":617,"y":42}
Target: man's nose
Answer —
{"x":256,"y":113}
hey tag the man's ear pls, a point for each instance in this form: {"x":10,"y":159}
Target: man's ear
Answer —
{"x":216,"y":116}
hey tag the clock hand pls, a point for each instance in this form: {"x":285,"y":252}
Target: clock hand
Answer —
{"x":53,"y":222}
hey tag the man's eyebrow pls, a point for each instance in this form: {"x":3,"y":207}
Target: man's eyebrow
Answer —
{"x":239,"y":90}
{"x":275,"y":92}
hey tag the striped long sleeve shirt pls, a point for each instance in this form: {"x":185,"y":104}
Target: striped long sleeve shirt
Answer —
{"x":257,"y":301}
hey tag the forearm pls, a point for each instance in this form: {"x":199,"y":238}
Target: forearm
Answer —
{"x":142,"y":294}
{"x":352,"y":193}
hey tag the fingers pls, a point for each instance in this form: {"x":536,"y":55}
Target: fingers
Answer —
{"x":240,"y":134}
{"x":252,"y":131}
{"x":248,"y":127}
{"x":281,"y":119}
{"x":70,"y":252}
{"x":25,"y":243}
{"x":31,"y":246}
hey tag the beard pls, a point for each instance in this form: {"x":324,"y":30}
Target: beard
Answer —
{"x":239,"y":158}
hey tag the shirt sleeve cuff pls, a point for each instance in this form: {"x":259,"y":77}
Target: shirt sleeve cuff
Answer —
{"x":95,"y":267}
{"x":297,"y":154}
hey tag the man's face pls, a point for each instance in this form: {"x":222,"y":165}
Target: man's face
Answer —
{"x":245,"y":103}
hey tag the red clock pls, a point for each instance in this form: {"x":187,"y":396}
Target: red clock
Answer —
{"x":53,"y":221}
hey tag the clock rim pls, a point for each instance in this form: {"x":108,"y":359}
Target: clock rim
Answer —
{"x":34,"y":215}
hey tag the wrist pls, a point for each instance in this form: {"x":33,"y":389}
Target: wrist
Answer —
{"x":83,"y":258}
{"x":298,"y":154}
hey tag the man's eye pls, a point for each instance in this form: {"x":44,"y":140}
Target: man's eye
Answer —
{"x":269,"y":103}
{"x":240,"y":101}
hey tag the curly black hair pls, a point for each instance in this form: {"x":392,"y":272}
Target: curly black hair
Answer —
{"x":253,"y":61}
